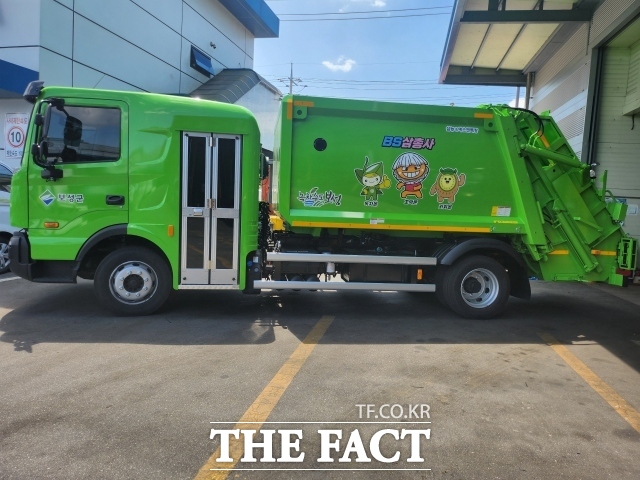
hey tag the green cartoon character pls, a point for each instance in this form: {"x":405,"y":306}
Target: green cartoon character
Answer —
{"x":373,"y":179}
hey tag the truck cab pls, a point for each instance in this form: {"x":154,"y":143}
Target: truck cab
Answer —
{"x":142,"y":193}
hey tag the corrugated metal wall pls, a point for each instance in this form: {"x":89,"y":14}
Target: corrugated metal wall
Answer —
{"x":561,"y":86}
{"x":632,"y":100}
{"x":606,"y":14}
{"x":617,"y":138}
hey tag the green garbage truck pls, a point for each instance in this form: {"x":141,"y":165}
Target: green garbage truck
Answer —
{"x":147,"y":193}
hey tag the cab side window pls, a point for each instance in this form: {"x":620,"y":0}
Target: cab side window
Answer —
{"x":84,"y":134}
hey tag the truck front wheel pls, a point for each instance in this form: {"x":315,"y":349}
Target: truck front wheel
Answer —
{"x":476,"y":287}
{"x":133,"y":281}
{"x":4,"y":253}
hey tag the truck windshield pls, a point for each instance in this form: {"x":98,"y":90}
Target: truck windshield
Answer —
{"x":82,"y":134}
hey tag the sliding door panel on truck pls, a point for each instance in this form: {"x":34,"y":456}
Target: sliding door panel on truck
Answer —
{"x":210,"y":209}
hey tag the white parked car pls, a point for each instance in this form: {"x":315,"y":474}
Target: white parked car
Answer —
{"x":6,"y":230}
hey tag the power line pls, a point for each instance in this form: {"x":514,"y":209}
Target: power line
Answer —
{"x":373,"y":83}
{"x":448,"y":97}
{"x":382,"y":89}
{"x":365,"y":18}
{"x":354,"y":13}
{"x":382,"y":83}
{"x":412,"y":99}
{"x":331,"y":80}
{"x":359,"y":64}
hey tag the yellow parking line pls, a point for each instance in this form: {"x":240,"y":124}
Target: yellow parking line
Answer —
{"x":618,"y":403}
{"x":262,"y":407}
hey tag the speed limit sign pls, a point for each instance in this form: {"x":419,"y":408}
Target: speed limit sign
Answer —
{"x":15,"y":134}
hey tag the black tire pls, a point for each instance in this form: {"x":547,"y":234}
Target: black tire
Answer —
{"x":476,"y":287}
{"x":137,"y":271}
{"x":4,"y":253}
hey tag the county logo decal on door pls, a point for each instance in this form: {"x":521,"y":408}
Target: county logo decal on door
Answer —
{"x":47,"y":198}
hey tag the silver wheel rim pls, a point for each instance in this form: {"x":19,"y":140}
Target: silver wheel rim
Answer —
{"x":479,"y":288}
{"x":133,"y":283}
{"x":4,"y":255}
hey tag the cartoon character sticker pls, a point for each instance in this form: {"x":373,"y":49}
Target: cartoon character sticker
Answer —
{"x":373,"y":179}
{"x":410,"y":170}
{"x":446,"y":186}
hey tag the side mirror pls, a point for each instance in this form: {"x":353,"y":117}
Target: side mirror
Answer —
{"x":40,"y":152}
{"x":35,"y":151}
{"x":264,"y":167}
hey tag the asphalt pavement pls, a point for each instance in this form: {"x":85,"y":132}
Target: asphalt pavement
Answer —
{"x":84,"y":394}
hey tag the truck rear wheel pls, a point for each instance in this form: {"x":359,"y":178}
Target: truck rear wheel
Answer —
{"x":133,"y":281}
{"x":476,"y":287}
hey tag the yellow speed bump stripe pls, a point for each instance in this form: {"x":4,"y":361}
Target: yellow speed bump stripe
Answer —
{"x":262,"y":407}
{"x":618,"y":403}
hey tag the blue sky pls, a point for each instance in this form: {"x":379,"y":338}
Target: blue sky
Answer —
{"x":392,"y":59}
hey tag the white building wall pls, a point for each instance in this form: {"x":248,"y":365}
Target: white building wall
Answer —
{"x":561,"y":85}
{"x":227,"y":26}
{"x":264,"y":103}
{"x":19,"y":29}
{"x":147,"y":44}
{"x":56,"y":28}
{"x":119,"y":44}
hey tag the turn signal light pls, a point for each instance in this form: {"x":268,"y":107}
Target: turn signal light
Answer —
{"x":170,"y":230}
{"x":51,"y":224}
{"x":419,"y":274}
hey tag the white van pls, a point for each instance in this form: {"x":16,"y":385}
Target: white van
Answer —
{"x":6,"y":230}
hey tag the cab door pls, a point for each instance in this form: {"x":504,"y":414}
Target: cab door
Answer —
{"x":210,"y":209}
{"x":88,"y":141}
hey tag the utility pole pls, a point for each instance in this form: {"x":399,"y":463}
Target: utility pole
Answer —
{"x":290,"y":80}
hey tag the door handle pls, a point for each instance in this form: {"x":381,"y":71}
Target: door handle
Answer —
{"x":197,"y":212}
{"x":115,"y":199}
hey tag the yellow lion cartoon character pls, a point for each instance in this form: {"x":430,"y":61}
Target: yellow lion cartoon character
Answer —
{"x":447,"y":184}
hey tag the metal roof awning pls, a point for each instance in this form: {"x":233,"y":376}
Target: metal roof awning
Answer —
{"x":497,"y":42}
{"x":231,"y":85}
